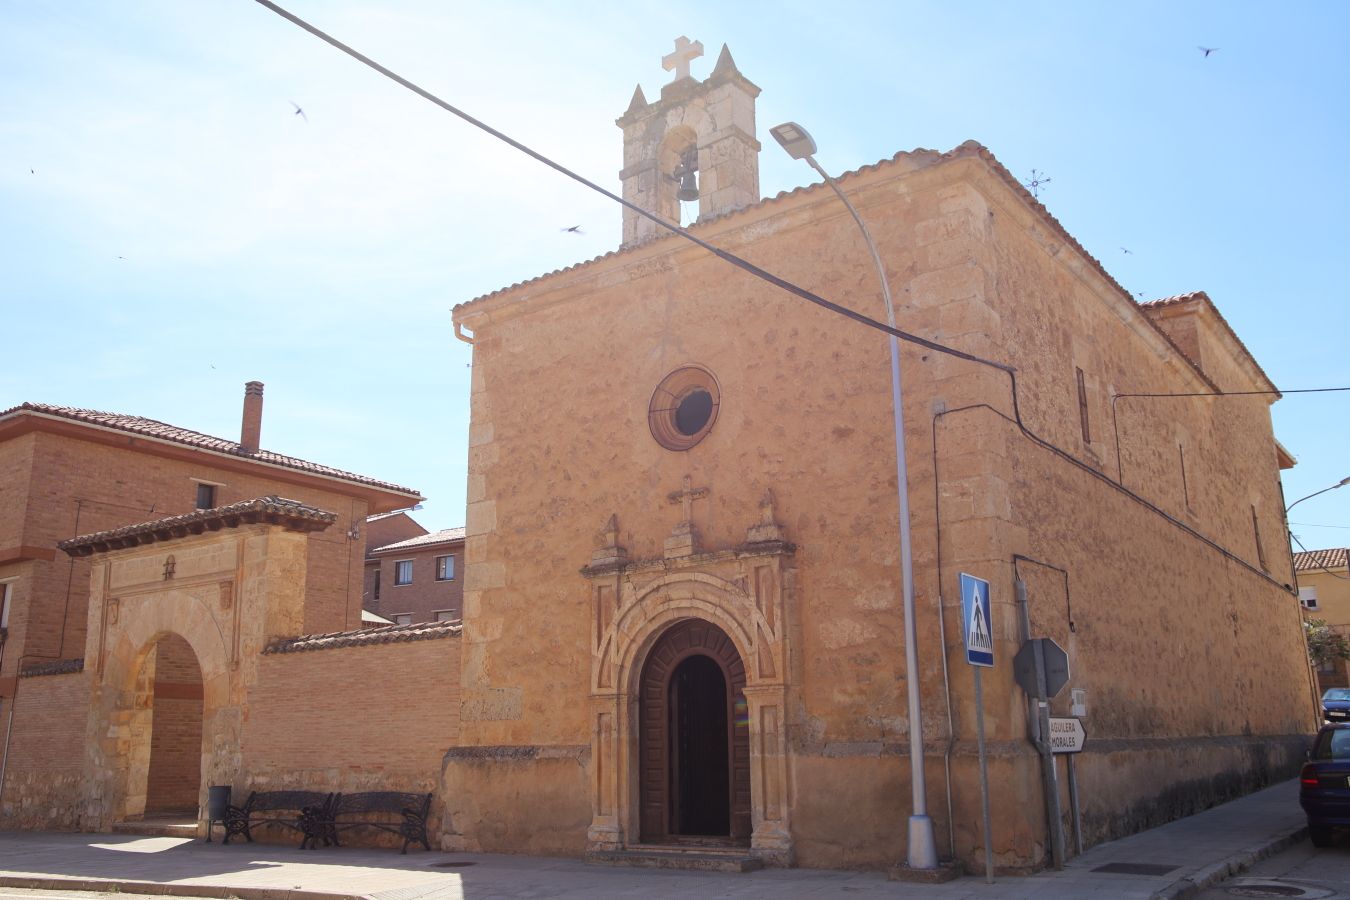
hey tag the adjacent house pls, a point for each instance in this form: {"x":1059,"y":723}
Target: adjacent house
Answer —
{"x":1324,"y":591}
{"x":417,"y":579}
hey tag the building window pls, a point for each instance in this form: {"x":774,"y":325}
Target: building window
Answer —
{"x":683,"y":408}
{"x":1185,"y":488}
{"x":402,"y":619}
{"x":1260,"y":551}
{"x":375,"y":587}
{"x":403,"y":571}
{"x":446,"y":615}
{"x":1308,"y":597}
{"x":445,"y":568}
{"x":206,"y":496}
{"x":6,"y":592}
{"x":1083,"y":407}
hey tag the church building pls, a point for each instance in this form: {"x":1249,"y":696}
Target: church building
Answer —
{"x":683,"y":620}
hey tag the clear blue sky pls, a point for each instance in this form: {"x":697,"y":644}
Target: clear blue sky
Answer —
{"x":181,"y":231}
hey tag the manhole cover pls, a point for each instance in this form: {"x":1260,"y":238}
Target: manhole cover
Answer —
{"x":1136,"y":869}
{"x":453,"y":864}
{"x":1267,"y":890}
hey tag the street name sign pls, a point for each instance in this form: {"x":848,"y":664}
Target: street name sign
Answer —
{"x":975,"y":627}
{"x":1066,"y":735}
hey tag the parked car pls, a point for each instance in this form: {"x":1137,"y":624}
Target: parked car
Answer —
{"x":1336,"y":705}
{"x":1324,"y":783}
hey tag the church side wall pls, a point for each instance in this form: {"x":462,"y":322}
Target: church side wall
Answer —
{"x":43,"y":787}
{"x":1209,"y":462}
{"x":1196,"y":676}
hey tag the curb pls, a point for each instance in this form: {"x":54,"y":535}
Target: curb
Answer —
{"x":1210,"y":875}
{"x":178,"y":890}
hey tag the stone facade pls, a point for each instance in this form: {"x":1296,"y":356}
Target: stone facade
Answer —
{"x":1135,"y":529}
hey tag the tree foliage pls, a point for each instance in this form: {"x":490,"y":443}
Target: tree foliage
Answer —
{"x":1325,"y":645}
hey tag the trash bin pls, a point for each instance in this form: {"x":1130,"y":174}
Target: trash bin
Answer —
{"x":217,"y":801}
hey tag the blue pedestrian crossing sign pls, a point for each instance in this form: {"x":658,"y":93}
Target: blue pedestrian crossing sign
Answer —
{"x":975,"y":621}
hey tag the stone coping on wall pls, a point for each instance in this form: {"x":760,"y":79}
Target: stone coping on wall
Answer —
{"x":364,"y":637}
{"x":55,"y":667}
{"x":290,"y":514}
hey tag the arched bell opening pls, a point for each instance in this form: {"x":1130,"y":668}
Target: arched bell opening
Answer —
{"x":694,"y":741}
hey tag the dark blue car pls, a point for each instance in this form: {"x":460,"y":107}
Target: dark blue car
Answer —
{"x":1336,"y":705}
{"x":1324,"y":783}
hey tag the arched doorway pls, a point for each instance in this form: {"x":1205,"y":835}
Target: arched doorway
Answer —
{"x":694,"y":738}
{"x":166,"y":749}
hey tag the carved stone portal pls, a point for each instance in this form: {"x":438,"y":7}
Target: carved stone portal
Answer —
{"x":639,"y":606}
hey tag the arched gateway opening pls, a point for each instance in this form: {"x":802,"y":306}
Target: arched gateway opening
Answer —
{"x":166,"y":732}
{"x":694,"y":738}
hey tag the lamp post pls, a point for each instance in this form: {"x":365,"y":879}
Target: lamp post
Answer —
{"x":1342,"y":483}
{"x":922,"y":847}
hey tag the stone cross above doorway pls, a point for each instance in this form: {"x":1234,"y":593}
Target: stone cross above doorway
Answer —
{"x":683,"y":541}
{"x":686,"y":51}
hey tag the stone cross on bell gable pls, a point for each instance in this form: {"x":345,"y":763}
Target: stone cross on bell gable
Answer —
{"x":686,"y":51}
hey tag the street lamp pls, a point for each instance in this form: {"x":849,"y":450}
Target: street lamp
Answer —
{"x":1342,"y":483}
{"x":922,"y":847}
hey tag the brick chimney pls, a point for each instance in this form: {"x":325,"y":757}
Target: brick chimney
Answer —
{"x":251,"y":431}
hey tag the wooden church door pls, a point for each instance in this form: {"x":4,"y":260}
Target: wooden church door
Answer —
{"x":694,"y":739}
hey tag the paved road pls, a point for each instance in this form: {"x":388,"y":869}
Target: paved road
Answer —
{"x":1318,"y":874}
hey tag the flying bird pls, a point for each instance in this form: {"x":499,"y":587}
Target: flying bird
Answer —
{"x":299,"y":112}
{"x":1207,"y":50}
{"x":1130,"y":252}
{"x":575,"y":229}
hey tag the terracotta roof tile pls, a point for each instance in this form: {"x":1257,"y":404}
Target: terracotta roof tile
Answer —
{"x":165,"y":432}
{"x":1309,"y":560}
{"x":294,"y":515}
{"x":364,"y":637}
{"x":1202,"y":297}
{"x":444,"y":536}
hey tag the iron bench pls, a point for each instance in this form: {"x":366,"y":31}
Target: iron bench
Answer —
{"x":304,"y":811}
{"x":396,"y":812}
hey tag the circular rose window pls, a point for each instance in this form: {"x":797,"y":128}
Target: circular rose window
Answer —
{"x":683,"y":408}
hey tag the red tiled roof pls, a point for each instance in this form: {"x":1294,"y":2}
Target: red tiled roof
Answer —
{"x":444,"y":536}
{"x":384,"y":634}
{"x":294,"y":515}
{"x":172,"y":433}
{"x":1308,"y":560}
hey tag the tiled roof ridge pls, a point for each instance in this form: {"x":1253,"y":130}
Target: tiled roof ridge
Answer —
{"x":964,"y":150}
{"x":444,"y":536}
{"x":361,"y":637}
{"x":187,"y":437}
{"x":274,"y":510}
{"x":1330,"y":558}
{"x":1204,"y":297}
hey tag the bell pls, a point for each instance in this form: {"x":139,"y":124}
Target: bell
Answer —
{"x":688,"y":184}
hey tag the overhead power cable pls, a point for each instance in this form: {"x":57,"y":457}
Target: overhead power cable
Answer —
{"x":732,"y":258}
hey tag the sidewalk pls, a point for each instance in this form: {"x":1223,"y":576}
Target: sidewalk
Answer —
{"x":1202,"y":850}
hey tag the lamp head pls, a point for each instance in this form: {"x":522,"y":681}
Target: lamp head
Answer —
{"x":794,"y":139}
